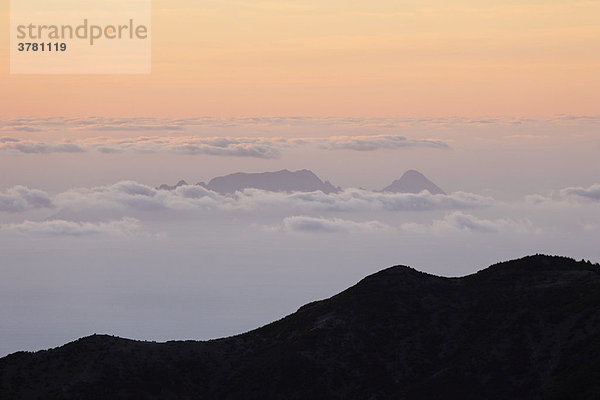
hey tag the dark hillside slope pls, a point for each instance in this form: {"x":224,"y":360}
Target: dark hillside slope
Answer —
{"x":524,"y":329}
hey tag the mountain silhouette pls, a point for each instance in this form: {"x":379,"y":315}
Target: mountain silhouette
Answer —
{"x":279,"y":181}
{"x":523,"y":329}
{"x":164,"y":186}
{"x":413,"y":182}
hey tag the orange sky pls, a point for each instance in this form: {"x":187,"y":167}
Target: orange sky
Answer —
{"x":342,"y":58}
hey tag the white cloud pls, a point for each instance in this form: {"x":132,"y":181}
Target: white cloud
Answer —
{"x":377,"y":142}
{"x":123,"y":227}
{"x":237,"y":147}
{"x":257,"y":147}
{"x":206,"y":136}
{"x":363,"y":200}
{"x":591,"y":193}
{"x":177,"y":124}
{"x":458,"y":221}
{"x":330,"y":225}
{"x":130,"y":195}
{"x":536,"y":199}
{"x":33,"y":147}
{"x":567,"y":195}
{"x":21,"y":198}
{"x":133,"y":195}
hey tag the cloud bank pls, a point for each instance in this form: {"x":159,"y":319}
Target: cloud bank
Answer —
{"x":16,"y":145}
{"x":378,"y":142}
{"x":297,"y":211}
{"x":141,"y":124}
{"x":591,"y":193}
{"x":330,"y":225}
{"x":21,"y":198}
{"x":259,"y":147}
{"x":573,"y":195}
{"x":458,"y":221}
{"x":125,"y":227}
{"x":134,"y":195}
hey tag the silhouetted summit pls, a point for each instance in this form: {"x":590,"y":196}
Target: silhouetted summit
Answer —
{"x":413,"y":182}
{"x":279,"y":181}
{"x":524,"y":329}
{"x":302,"y":181}
{"x":164,"y":186}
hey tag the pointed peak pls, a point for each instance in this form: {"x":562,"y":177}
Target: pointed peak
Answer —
{"x":413,"y":181}
{"x":413,"y":172}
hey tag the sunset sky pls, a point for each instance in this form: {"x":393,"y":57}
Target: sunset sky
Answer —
{"x":341,"y":58}
{"x":497,"y":102}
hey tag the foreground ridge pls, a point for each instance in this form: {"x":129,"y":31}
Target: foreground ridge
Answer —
{"x":522,"y":329}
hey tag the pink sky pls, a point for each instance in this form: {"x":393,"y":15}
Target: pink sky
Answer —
{"x":350,"y":58}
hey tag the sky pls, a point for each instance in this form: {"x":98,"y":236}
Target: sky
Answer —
{"x":497,"y":103}
{"x":340,"y":58}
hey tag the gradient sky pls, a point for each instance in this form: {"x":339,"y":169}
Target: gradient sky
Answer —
{"x":343,"y":58}
{"x":496,"y":102}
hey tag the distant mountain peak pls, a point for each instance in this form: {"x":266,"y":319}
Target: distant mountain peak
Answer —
{"x":413,"y":182}
{"x":283,"y":180}
{"x":167,"y":187}
{"x":413,"y":173}
{"x":303,"y":180}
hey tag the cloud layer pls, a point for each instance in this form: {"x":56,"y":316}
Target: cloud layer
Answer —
{"x":123,"y":227}
{"x":259,"y":147}
{"x":591,"y":193}
{"x":21,"y":198}
{"x":378,"y":142}
{"x":16,"y":145}
{"x":330,"y":225}
{"x":76,"y":212}
{"x":133,"y":195}
{"x":458,"y":221}
{"x":141,"y":124}
{"x":574,"y":195}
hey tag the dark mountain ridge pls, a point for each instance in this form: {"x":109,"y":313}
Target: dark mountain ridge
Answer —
{"x":523,"y":329}
{"x":164,"y":186}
